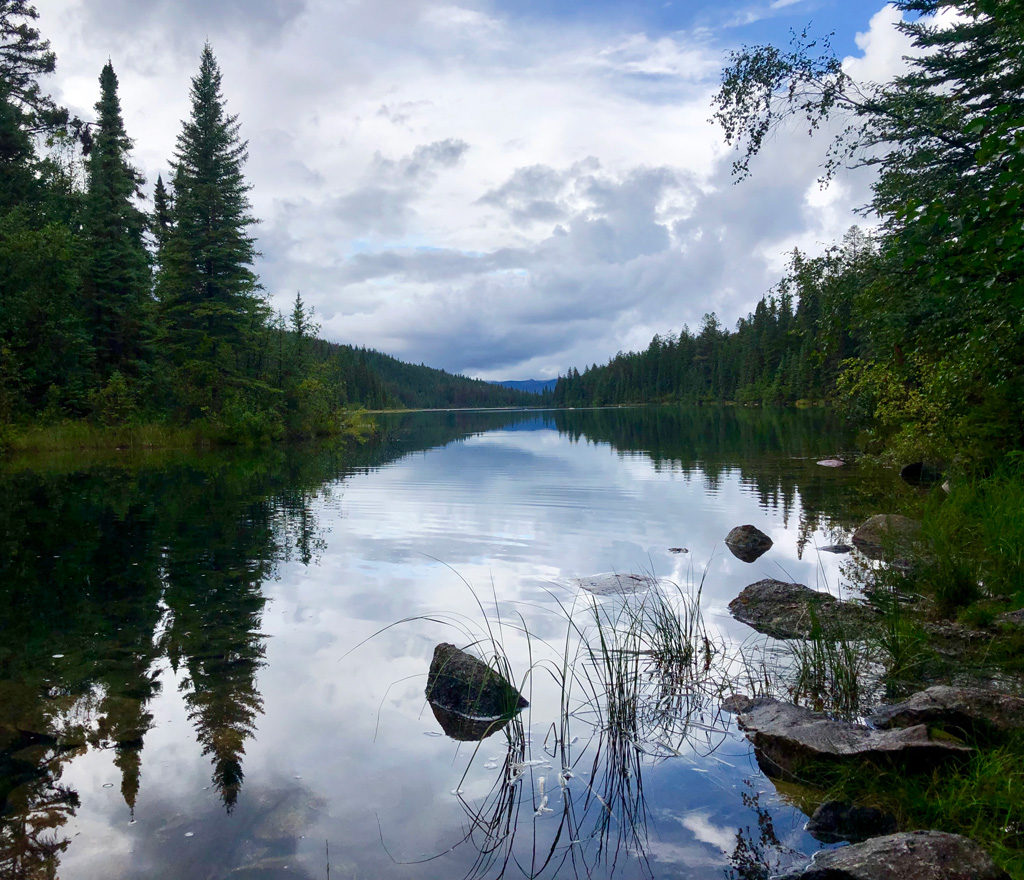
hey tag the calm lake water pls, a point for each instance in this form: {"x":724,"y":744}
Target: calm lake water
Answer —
{"x":213,"y":665}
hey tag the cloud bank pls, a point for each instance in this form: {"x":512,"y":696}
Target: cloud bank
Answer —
{"x":457,"y":186}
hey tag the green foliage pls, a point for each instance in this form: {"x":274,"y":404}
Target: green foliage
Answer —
{"x":114,"y":403}
{"x":116,"y":267}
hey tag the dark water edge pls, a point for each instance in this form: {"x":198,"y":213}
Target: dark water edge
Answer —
{"x":121,"y":576}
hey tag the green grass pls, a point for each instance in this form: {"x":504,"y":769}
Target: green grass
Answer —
{"x":982,"y":799}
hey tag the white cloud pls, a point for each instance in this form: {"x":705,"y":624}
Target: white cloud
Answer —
{"x":453,"y":187}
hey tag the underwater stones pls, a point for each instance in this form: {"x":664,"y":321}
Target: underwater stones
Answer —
{"x":885,"y":535}
{"x":959,"y":708}
{"x":787,"y":738}
{"x":784,"y":611}
{"x":462,"y":684}
{"x":832,"y":462}
{"x":613,"y":584}
{"x":910,"y":855}
{"x":837,"y":821}
{"x":747,"y":543}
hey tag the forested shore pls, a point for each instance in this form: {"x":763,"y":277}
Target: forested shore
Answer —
{"x":130,"y":320}
{"x":912,"y":326}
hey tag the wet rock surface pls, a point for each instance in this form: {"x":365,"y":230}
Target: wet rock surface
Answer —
{"x":838,"y":821}
{"x":461,"y":683}
{"x":887,"y":536}
{"x":786,"y":738}
{"x":912,"y":855}
{"x":784,"y":611}
{"x":955,"y":708}
{"x":832,"y":462}
{"x":747,"y":543}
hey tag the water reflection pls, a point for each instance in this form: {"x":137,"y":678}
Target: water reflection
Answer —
{"x":132,"y":589}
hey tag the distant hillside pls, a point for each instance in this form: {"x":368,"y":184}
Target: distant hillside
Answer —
{"x":379,"y":381}
{"x":530,"y":386}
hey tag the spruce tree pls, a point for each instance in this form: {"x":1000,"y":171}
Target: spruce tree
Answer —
{"x":210,"y":296}
{"x":117,"y":277}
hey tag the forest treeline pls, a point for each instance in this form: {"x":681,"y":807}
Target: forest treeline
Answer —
{"x":117,"y":310}
{"x":916,"y":330}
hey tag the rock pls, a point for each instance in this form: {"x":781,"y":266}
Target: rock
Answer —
{"x":747,"y":543}
{"x":783,"y":610}
{"x":288,"y":818}
{"x":615,"y":584}
{"x":887,"y":536}
{"x":911,"y":855}
{"x":459,"y":682}
{"x":832,"y":462}
{"x":955,"y":708}
{"x":787,"y":737}
{"x":836,"y":548}
{"x":1013,"y":618}
{"x":678,"y":550}
{"x":836,"y":821}
{"x":921,"y":473}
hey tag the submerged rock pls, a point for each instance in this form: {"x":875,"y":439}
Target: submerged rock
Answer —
{"x":464,"y":728}
{"x":921,"y":473}
{"x":910,"y":855}
{"x":958,"y":708}
{"x":462,"y":684}
{"x":838,"y":821}
{"x":836,"y":548}
{"x":832,"y":462}
{"x":613,"y":584}
{"x":784,"y":611}
{"x":887,"y":536}
{"x":786,"y":738}
{"x":748,"y":543}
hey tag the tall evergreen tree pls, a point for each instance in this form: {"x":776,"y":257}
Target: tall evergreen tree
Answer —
{"x":210,"y":295}
{"x":117,"y":277}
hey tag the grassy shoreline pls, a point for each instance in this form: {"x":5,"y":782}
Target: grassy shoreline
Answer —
{"x":83,"y":435}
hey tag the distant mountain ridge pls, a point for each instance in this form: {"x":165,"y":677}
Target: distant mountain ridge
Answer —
{"x":530,"y":386}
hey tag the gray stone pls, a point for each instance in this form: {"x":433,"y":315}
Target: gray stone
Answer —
{"x":910,"y":855}
{"x":887,"y":536}
{"x":838,"y":821}
{"x":747,"y":543}
{"x":459,"y":682}
{"x":1013,"y":618}
{"x":958,"y":708}
{"x":832,"y":462}
{"x":788,"y":737}
{"x":783,"y":610}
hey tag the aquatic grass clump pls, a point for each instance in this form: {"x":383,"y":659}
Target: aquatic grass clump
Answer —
{"x":636,"y":683}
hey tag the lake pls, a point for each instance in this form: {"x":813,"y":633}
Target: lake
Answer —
{"x":213,"y":665}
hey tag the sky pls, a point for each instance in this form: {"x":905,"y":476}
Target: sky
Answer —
{"x":502,"y":189}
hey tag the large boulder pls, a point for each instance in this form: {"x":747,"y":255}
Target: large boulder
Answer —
{"x":910,"y":855}
{"x":788,"y":611}
{"x":787,"y":738}
{"x":747,"y":543}
{"x":463,"y":684}
{"x":887,"y":536}
{"x":970,"y":710}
